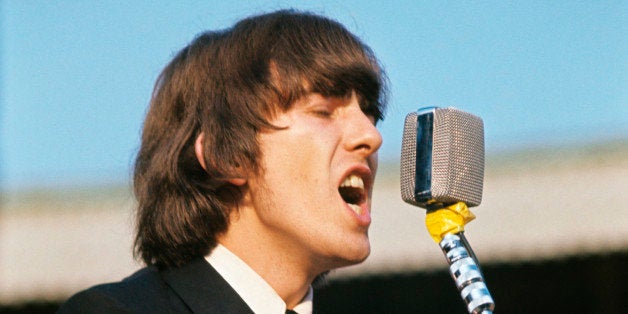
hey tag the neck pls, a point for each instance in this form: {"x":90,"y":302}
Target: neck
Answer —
{"x":289,"y":274}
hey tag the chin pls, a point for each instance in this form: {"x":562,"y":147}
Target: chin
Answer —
{"x":354,"y":255}
{"x":363,"y":257}
{"x":346,"y":253}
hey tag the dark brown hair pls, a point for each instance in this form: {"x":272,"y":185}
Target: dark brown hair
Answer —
{"x":226,"y":85}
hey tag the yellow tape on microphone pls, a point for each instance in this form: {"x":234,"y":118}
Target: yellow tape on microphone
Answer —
{"x":447,"y":220}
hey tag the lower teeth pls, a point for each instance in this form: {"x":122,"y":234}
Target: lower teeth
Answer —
{"x":357,"y":209}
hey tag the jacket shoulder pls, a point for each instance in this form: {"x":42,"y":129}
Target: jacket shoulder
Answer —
{"x":143,"y":292}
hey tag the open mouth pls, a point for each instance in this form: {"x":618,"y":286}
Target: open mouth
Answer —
{"x":352,"y":192}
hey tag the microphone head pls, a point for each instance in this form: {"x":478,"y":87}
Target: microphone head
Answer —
{"x":442,"y":158}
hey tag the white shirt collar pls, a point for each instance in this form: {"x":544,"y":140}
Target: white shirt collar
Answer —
{"x":251,"y":287}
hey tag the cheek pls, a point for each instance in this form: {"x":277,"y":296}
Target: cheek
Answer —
{"x":302,"y":152}
{"x":298,"y":167}
{"x":303,"y":143}
{"x":287,"y":161}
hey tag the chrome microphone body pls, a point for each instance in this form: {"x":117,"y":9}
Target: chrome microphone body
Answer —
{"x":466,"y":272}
{"x":442,"y":163}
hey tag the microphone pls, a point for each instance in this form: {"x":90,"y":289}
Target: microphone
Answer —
{"x":442,"y":158}
{"x":442,"y":167}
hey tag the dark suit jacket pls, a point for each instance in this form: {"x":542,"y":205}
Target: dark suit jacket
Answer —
{"x":193,"y":288}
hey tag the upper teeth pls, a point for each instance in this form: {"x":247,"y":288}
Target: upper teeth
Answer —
{"x":353,"y":181}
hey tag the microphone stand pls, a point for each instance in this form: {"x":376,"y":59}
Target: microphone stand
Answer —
{"x":465,"y":270}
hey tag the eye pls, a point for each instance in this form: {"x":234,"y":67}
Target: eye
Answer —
{"x":323,"y":113}
{"x":320,"y":106}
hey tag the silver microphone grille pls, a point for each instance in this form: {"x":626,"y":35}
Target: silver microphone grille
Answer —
{"x":442,"y":157}
{"x":408,"y":159}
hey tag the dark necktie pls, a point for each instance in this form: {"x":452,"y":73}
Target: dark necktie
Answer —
{"x":291,"y":312}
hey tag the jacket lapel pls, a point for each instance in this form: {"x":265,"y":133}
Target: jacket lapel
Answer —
{"x":200,"y":286}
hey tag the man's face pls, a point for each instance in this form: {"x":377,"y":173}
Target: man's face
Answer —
{"x":313,"y":197}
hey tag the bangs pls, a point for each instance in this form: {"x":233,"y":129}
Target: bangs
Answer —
{"x":307,"y":54}
{"x":364,"y":81}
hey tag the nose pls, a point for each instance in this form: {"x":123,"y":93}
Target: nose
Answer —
{"x":363,"y":136}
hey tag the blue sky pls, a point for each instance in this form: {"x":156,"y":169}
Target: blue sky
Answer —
{"x":76,"y":76}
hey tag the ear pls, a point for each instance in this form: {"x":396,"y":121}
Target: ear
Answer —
{"x":237,"y":181}
{"x":199,"y":151}
{"x":200,"y":156}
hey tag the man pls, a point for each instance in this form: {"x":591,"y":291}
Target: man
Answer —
{"x":255,"y":171}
